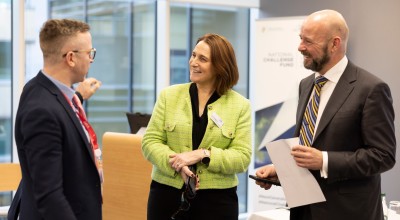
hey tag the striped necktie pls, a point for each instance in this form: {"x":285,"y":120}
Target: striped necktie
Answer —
{"x":311,"y":113}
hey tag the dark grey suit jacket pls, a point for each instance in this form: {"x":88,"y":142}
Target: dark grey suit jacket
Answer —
{"x":59,"y":176}
{"x":357,"y":131}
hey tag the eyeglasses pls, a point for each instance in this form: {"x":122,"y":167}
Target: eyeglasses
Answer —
{"x":189,"y":193}
{"x":92,"y":52}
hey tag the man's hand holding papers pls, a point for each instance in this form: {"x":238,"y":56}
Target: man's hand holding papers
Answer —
{"x":299,"y":185}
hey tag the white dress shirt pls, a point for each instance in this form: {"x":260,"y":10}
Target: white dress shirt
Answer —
{"x":333,"y":75}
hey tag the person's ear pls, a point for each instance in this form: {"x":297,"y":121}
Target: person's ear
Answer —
{"x":335,"y":44}
{"x":70,"y":59}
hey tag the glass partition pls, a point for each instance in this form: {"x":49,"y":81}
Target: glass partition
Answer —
{"x":123,"y":33}
{"x":5,"y":84}
{"x":189,"y":22}
{"x":5,"y":91}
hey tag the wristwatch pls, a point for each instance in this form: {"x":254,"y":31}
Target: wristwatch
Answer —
{"x":206,"y":159}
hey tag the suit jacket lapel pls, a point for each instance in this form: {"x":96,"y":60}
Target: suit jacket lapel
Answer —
{"x":68,"y":109}
{"x":342,"y":90}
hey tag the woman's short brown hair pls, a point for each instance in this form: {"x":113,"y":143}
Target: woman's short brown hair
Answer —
{"x":223,"y":61}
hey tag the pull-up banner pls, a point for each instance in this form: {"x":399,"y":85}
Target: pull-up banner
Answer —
{"x":278,"y":71}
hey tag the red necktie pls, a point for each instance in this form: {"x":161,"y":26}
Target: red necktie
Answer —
{"x":80,"y":112}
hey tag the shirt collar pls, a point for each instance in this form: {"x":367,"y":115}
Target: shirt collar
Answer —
{"x":334,"y":74}
{"x":69,"y":92}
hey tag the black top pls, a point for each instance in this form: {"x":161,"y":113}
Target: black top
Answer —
{"x":199,"y":123}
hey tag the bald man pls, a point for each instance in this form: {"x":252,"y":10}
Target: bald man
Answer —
{"x":354,"y":139}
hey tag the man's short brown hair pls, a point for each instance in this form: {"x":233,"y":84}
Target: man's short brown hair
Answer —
{"x":55,"y":32}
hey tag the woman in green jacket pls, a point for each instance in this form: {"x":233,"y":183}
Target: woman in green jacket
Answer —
{"x":199,"y":133}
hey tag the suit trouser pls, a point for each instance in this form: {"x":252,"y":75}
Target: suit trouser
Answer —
{"x":211,"y":204}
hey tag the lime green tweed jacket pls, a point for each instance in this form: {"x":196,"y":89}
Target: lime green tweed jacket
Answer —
{"x":170,"y":131}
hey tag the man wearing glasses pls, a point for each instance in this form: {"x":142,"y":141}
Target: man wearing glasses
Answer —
{"x":57,"y":148}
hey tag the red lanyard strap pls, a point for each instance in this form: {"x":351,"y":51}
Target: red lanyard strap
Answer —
{"x":82,"y":116}
{"x":78,"y":109}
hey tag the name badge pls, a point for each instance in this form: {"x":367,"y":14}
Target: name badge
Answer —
{"x":216,"y":119}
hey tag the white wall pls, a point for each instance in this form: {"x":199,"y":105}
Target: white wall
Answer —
{"x":373,"y":45}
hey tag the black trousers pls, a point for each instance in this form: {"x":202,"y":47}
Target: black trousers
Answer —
{"x":208,"y":204}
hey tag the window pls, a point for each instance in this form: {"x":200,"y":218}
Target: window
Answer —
{"x":5,"y":91}
{"x":123,"y":32}
{"x":189,"y":22}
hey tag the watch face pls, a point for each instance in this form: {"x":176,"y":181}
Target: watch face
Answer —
{"x":205,"y":160}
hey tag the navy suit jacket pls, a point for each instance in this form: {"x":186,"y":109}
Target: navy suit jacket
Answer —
{"x":59,"y":176}
{"x":357,"y":131}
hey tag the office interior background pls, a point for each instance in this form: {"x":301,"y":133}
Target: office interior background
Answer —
{"x":144,"y":46}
